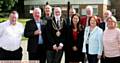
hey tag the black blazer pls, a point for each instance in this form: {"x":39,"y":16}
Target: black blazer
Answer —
{"x":102,"y":26}
{"x":68,"y":22}
{"x":51,"y":34}
{"x":70,"y":40}
{"x":30,"y":28}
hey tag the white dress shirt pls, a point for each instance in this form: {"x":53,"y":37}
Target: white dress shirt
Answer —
{"x":10,"y":35}
{"x":87,"y":21}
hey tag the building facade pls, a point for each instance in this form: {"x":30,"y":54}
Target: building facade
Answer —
{"x":99,"y":6}
{"x":115,"y":8}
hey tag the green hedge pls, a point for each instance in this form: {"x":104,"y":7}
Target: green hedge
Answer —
{"x":23,"y":21}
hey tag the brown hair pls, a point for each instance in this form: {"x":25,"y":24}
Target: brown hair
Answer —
{"x":79,"y":26}
{"x":96,"y":19}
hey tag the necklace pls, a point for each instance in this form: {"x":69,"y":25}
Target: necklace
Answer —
{"x":58,"y":33}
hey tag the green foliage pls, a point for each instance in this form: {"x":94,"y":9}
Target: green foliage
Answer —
{"x":7,"y":5}
{"x":23,"y":21}
{"x":118,"y":24}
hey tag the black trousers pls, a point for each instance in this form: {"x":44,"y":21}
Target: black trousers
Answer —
{"x":92,"y":58}
{"x":54,"y":57}
{"x":66,"y":57}
{"x":39,"y":55}
{"x":102,"y":59}
{"x":112,"y":60}
{"x":11,"y":55}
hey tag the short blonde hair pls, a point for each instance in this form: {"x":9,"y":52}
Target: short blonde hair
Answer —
{"x":112,"y":18}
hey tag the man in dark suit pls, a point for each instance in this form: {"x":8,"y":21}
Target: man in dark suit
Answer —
{"x":56,"y":35}
{"x":35,"y":32}
{"x":68,"y":23}
{"x":71,"y":12}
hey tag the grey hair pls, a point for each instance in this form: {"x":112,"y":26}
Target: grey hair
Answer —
{"x":89,"y":7}
{"x":58,"y":9}
{"x":37,"y":9}
{"x":109,"y":12}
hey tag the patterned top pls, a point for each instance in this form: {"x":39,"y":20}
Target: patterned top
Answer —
{"x":111,"y":42}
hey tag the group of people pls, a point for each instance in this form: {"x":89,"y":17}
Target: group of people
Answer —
{"x":87,"y":38}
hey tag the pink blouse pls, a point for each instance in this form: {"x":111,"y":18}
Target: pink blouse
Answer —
{"x":111,"y":42}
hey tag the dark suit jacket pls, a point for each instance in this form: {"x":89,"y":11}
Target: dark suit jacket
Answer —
{"x":51,"y":34}
{"x":30,"y":28}
{"x":70,"y":39}
{"x":102,"y":26}
{"x":74,"y":55}
{"x":68,"y":22}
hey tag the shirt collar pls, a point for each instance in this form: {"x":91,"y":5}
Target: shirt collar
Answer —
{"x":12,"y":24}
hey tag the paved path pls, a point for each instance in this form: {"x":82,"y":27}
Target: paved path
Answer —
{"x":25,"y":53}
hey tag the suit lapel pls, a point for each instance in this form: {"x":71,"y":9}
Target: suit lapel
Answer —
{"x":34,"y":24}
{"x":54,"y":20}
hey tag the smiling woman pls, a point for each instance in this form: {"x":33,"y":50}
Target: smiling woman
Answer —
{"x":111,"y":41}
{"x":74,"y":42}
{"x":92,"y":45}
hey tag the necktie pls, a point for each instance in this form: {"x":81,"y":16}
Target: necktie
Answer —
{"x":58,"y":23}
{"x":87,"y":22}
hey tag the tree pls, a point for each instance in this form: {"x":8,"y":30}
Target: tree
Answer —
{"x":20,"y":8}
{"x":7,"y":5}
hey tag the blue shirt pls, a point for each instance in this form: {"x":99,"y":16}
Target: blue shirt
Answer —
{"x":40,"y":41}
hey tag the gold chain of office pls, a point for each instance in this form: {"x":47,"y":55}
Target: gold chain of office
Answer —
{"x":55,"y":26}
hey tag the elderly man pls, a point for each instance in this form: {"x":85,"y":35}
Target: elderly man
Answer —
{"x":55,"y":29}
{"x":48,"y":10}
{"x":85,"y":19}
{"x":71,"y":12}
{"x":35,"y":32}
{"x":11,"y":33}
{"x":48,"y":13}
{"x":68,"y":23}
{"x":106,"y":14}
